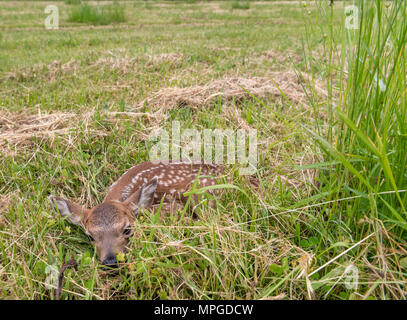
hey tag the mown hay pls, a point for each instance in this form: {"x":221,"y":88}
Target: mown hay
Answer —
{"x":172,"y":58}
{"x":17,"y":130}
{"x":122,"y":64}
{"x":48,"y":71}
{"x":236,"y":89}
{"x":57,"y":68}
{"x":116,"y":61}
{"x":113,"y":60}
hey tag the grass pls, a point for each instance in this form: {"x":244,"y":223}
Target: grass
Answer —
{"x":368,"y":140}
{"x":77,"y":115}
{"x":378,"y":140}
{"x":365,"y":145}
{"x":98,"y":15}
{"x":72,"y":1}
{"x":240,"y":5}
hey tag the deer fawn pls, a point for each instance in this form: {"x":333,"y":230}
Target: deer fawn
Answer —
{"x":143,"y":186}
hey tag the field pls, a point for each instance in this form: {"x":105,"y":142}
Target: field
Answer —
{"x":78,"y":105}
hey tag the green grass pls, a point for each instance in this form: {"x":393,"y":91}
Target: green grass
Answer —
{"x":98,"y":15}
{"x":367,"y":137}
{"x":365,"y":144}
{"x":240,"y":5}
{"x":71,"y":123}
{"x":374,"y":120}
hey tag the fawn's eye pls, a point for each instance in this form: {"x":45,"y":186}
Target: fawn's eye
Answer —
{"x":127,"y":232}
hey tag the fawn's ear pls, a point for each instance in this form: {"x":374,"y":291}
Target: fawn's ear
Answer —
{"x":143,"y":198}
{"x":74,"y":212}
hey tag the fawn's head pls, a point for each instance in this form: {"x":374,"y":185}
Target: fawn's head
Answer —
{"x":109,"y":224}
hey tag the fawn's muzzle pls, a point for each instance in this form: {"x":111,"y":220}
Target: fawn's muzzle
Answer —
{"x":110,"y":261}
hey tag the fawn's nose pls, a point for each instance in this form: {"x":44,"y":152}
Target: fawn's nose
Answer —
{"x":110,"y":261}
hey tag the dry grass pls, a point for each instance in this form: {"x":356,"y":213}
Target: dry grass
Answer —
{"x":172,"y":58}
{"x":235,"y":89}
{"x":287,"y":58}
{"x":120,"y":60}
{"x":48,"y":71}
{"x":113,"y":60}
{"x":5,"y":201}
{"x":123,"y":64}
{"x":18,"y":130}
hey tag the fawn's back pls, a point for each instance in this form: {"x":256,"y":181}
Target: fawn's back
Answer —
{"x":174,"y":178}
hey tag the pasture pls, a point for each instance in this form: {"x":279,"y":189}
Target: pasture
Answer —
{"x":79,"y":103}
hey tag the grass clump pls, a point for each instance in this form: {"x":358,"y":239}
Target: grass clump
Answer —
{"x":98,"y":15}
{"x":364,"y":173}
{"x":240,"y":5}
{"x":368,"y":134}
